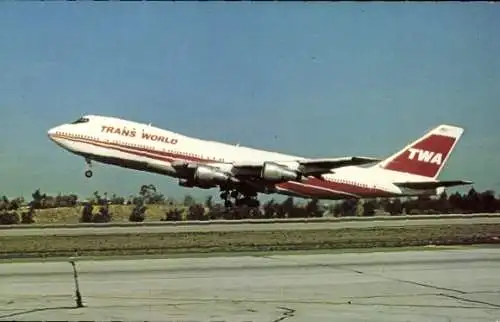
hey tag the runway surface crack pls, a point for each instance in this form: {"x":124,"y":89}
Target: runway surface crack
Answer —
{"x":426,"y":285}
{"x":349,"y":269}
{"x":470,"y":300}
{"x":9,"y":315}
{"x":429,"y":286}
{"x":288,"y":313}
{"x":406,"y":281}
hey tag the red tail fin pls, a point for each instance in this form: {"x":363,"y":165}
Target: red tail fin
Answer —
{"x":427,"y":155}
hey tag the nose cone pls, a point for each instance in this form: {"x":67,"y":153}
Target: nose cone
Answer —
{"x":52,"y":132}
{"x":55,"y":134}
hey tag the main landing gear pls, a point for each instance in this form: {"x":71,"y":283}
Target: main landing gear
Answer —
{"x":239,"y":199}
{"x":88,"y":173}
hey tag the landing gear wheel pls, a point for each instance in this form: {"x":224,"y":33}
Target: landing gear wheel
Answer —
{"x":249,"y":202}
{"x":239,"y":202}
{"x":240,"y":198}
{"x":253,"y":203}
{"x":88,"y":173}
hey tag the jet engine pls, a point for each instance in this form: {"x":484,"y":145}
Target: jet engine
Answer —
{"x":275,"y":172}
{"x":207,"y":175}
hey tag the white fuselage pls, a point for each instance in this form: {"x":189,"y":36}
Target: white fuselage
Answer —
{"x":130,"y":144}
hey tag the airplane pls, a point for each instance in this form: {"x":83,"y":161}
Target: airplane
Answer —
{"x":242,"y":172}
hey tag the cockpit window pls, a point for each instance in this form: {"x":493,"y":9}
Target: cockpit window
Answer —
{"x":81,"y":120}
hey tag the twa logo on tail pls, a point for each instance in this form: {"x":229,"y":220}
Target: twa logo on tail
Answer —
{"x":427,"y":155}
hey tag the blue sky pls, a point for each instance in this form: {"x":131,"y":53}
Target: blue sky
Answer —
{"x":316,"y":79}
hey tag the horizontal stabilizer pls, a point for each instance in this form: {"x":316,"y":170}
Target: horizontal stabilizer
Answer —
{"x":431,"y":184}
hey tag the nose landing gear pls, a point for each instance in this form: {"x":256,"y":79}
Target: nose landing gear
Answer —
{"x":88,"y":173}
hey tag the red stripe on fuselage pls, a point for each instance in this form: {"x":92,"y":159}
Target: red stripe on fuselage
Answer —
{"x":306,"y":189}
{"x":139,"y":151}
{"x":350,"y":188}
{"x":319,"y":188}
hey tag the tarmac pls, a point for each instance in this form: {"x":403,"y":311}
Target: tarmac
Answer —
{"x":442,"y":284}
{"x":204,"y":227}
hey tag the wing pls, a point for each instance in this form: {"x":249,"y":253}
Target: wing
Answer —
{"x":303,"y":167}
{"x":317,"y":167}
{"x":259,"y":176}
{"x":432,"y":184}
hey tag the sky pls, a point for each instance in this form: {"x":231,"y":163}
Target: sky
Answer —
{"x":310,"y":79}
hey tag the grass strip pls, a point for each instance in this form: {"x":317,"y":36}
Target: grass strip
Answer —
{"x":228,"y":241}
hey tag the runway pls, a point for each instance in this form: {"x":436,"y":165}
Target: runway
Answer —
{"x":243,"y":227}
{"x":437,"y":285}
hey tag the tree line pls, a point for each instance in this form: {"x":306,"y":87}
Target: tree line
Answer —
{"x":97,"y":208}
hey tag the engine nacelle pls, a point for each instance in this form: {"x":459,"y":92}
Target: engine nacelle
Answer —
{"x":207,"y":175}
{"x":275,"y":172}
